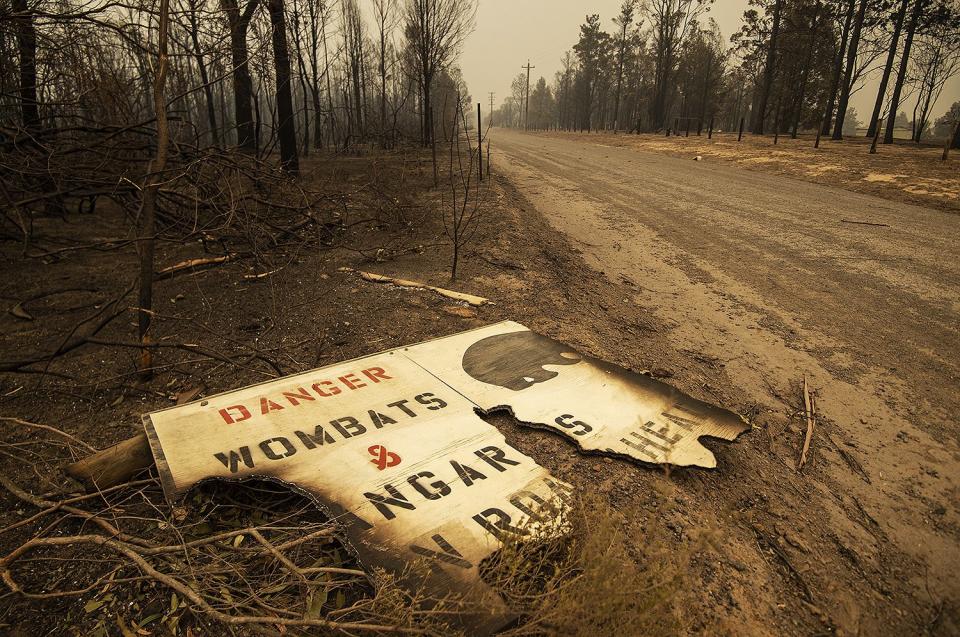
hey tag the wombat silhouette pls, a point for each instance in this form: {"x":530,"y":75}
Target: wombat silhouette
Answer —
{"x":516,"y":360}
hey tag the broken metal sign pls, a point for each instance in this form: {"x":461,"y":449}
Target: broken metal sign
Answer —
{"x":391,"y":446}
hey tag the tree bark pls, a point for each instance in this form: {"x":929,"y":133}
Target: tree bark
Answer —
{"x":383,"y":84}
{"x":326,"y":70}
{"x":286,"y":125}
{"x":302,"y":76}
{"x":848,"y":74}
{"x":27,"y":48}
{"x":152,"y":185}
{"x":204,"y":76}
{"x":768,"y":69}
{"x":242,"y":84}
{"x":902,"y":74}
{"x":806,"y":69}
{"x":837,"y":70}
{"x":622,"y":52}
{"x":888,"y":67}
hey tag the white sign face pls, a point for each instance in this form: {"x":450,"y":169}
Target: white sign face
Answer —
{"x":391,"y":447}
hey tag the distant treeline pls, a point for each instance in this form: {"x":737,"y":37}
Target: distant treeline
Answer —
{"x":792,"y":67}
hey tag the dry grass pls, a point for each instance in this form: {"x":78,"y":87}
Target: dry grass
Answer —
{"x":594,"y":579}
{"x":902,"y":171}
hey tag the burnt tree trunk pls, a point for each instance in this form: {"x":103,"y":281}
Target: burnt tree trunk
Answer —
{"x":848,"y":74}
{"x":769,"y":69}
{"x":204,"y":75}
{"x":837,"y":70}
{"x":286,"y":125}
{"x":806,"y":69}
{"x":242,"y":84}
{"x":152,"y":185}
{"x":901,"y":76}
{"x":27,"y":49}
{"x":888,"y":67}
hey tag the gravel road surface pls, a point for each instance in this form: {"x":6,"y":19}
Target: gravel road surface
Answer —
{"x":779,"y":279}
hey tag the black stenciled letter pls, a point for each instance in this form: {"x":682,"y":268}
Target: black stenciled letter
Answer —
{"x":232,"y":461}
{"x":383,"y":503}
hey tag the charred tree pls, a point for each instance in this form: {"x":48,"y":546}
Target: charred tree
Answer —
{"x":239,"y":22}
{"x":286,"y":125}
{"x":887,"y":68}
{"x":149,"y":202}
{"x":805,"y":74}
{"x":837,"y":70}
{"x":848,"y":74}
{"x":902,"y":74}
{"x":27,"y":48}
{"x":769,"y":69}
{"x":204,"y":74}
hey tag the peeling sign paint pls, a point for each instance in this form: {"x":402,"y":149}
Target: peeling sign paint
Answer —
{"x":390,"y":446}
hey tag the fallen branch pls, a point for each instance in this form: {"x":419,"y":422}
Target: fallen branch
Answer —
{"x":404,"y":283}
{"x":866,"y":223}
{"x":192,"y":264}
{"x":808,"y":408}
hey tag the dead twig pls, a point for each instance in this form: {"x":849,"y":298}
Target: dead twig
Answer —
{"x":52,"y":430}
{"x":808,"y":408}
{"x":192,"y":264}
{"x":450,"y":294}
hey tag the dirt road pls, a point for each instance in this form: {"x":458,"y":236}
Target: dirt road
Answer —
{"x":768,"y":276}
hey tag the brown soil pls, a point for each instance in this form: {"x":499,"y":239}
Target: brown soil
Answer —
{"x":766,"y":555}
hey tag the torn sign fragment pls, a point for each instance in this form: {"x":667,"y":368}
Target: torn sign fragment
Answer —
{"x":391,"y":447}
{"x":600,"y":406}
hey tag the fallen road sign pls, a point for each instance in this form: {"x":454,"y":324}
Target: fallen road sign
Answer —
{"x":391,"y":447}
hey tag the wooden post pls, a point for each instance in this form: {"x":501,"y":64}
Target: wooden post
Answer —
{"x":488,"y":159}
{"x":479,"y":144}
{"x":113,"y":465}
{"x":740,"y":135}
{"x":710,"y":130}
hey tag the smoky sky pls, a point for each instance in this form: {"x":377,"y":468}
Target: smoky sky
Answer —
{"x":508,"y":32}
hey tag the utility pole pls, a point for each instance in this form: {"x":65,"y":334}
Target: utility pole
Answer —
{"x":490,"y":113}
{"x":526,"y":112}
{"x":479,"y":145}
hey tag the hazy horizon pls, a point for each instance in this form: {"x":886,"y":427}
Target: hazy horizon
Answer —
{"x":507,"y":34}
